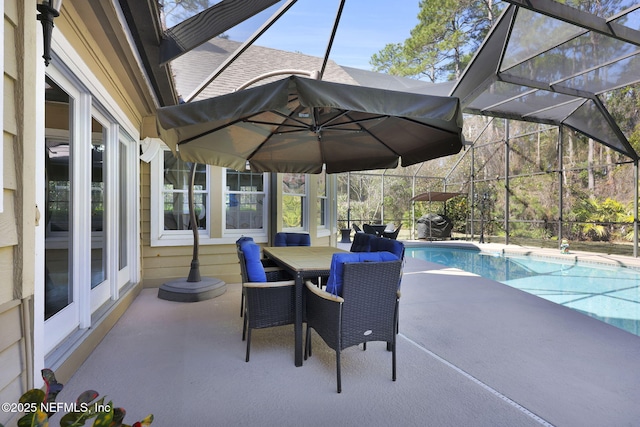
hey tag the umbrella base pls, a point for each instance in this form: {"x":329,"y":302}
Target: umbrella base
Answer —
{"x":346,"y":235}
{"x":180,"y":290}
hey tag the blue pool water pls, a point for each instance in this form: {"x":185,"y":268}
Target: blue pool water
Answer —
{"x":608,"y":293}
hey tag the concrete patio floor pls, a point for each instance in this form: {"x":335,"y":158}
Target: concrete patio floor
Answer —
{"x":471,"y":352}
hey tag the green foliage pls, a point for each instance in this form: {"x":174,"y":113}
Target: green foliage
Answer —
{"x":457,"y":209}
{"x":291,"y":211}
{"x":85,"y":408}
{"x":596,"y":217}
{"x":443,"y":41}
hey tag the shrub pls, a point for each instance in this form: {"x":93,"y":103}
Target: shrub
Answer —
{"x":39,"y":405}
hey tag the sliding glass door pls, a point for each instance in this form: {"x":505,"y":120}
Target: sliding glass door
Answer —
{"x":90,"y":174}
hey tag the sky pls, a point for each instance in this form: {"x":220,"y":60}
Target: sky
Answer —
{"x":366,"y":27}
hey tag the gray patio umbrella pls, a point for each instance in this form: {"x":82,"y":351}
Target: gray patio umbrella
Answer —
{"x":298,"y":124}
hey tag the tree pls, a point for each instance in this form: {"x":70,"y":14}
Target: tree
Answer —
{"x":443,"y":42}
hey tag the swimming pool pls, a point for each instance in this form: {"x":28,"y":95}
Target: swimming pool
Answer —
{"x":608,"y":293}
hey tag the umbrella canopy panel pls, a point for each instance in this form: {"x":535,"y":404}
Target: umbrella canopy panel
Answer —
{"x":297,"y":125}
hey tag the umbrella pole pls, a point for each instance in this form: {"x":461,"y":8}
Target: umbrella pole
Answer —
{"x":193,"y":288}
{"x":194,"y":272}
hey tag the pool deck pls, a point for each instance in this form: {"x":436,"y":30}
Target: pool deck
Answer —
{"x":471,"y":352}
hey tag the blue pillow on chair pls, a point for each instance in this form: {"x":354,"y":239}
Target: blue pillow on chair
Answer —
{"x":292,"y":239}
{"x":251,"y":253}
{"x":244,"y":239}
{"x":334,"y":284}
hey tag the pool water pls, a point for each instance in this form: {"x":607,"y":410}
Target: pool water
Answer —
{"x":608,"y":293}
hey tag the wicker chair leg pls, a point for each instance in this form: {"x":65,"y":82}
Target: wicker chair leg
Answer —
{"x":242,"y":303}
{"x":244,"y":328}
{"x":393,"y":359}
{"x":338,"y":370}
{"x":248,"y":344}
{"x":307,"y":344}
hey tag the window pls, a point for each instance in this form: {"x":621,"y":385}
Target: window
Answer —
{"x":244,"y":200}
{"x":294,"y":193}
{"x":322,"y":208}
{"x":175,"y":194}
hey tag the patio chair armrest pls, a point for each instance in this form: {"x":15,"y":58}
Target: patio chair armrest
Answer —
{"x":323,"y":314}
{"x":275,"y":274}
{"x":312,"y":287}
{"x":269,"y":284}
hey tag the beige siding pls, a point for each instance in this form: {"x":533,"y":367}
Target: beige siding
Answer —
{"x":16,"y":144}
{"x":12,"y":374}
{"x":166,"y":263}
{"x":6,"y":270}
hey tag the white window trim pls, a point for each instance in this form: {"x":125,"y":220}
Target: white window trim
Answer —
{"x":237,"y":232}
{"x":305,"y":207}
{"x":321,"y":228}
{"x":162,"y":238}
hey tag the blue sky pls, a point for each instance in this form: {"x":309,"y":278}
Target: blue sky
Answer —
{"x":365,"y":28}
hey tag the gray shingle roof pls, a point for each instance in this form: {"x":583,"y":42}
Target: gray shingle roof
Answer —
{"x":193,"y":68}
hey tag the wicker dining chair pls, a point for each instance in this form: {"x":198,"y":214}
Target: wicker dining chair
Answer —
{"x":269,"y":300}
{"x":365,"y":309}
{"x":272,"y":271}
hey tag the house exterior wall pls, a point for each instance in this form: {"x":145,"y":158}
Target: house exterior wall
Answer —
{"x":89,"y":40}
{"x":217,"y":257}
{"x":18,"y":212}
{"x":90,"y":45}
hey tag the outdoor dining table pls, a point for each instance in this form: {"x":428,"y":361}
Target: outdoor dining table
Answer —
{"x":303,"y":262}
{"x":379,"y":228}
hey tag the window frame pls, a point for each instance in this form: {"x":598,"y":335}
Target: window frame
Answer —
{"x":236,"y":232}
{"x":304,"y":203}
{"x":322,"y":200}
{"x":216,"y":233}
{"x":163,"y":192}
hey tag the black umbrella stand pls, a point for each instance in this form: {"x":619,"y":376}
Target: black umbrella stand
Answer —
{"x":194,"y":288}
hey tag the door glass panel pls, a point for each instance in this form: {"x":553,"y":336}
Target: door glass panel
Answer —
{"x":98,"y":236}
{"x":58,"y":237}
{"x":123,"y":186}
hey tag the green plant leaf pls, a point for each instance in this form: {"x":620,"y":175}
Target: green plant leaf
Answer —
{"x":104,"y":419}
{"x":34,"y":419}
{"x":33,"y":396}
{"x":92,"y":409}
{"x":87,"y":396}
{"x":72,"y":419}
{"x":145,"y":422}
{"x":118,"y":417}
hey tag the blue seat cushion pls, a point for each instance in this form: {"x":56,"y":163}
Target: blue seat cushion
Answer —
{"x":292,"y":239}
{"x":334,"y":284}
{"x":255,"y":270}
